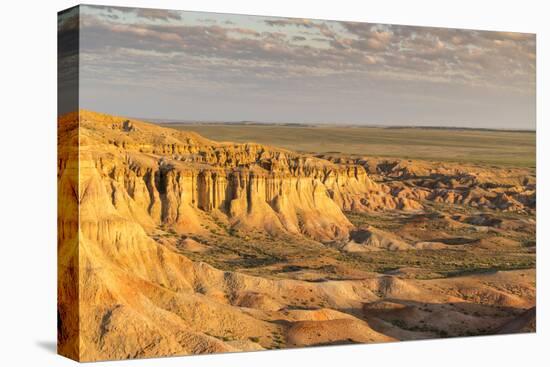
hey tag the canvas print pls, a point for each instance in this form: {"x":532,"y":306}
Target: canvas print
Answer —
{"x":233,"y":183}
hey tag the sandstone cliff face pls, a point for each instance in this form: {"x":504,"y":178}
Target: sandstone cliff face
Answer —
{"x":163,"y":177}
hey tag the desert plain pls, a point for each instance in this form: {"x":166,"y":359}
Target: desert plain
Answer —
{"x":214,"y":237}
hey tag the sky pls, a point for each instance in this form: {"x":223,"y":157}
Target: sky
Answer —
{"x":193,"y":66}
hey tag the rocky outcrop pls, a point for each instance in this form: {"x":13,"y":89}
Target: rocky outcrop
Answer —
{"x":160,"y":176}
{"x":368,"y":238}
{"x":410,"y":182}
{"x":165,"y":177}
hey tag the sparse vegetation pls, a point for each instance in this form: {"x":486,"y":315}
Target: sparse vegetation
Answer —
{"x":477,"y":146}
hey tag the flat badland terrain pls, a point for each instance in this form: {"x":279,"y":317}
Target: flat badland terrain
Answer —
{"x":204,"y":238}
{"x":498,"y":147}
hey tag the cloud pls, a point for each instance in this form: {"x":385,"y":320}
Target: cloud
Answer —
{"x":158,"y":14}
{"x":440,"y":54}
{"x":144,"y":13}
{"x":306,"y":23}
{"x":212,"y":52}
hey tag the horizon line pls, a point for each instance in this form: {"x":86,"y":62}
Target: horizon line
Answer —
{"x":169,"y":121}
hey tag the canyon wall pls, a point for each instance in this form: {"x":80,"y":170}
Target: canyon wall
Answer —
{"x":164,"y":177}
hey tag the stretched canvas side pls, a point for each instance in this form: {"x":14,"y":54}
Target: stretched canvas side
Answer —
{"x":68,"y":320}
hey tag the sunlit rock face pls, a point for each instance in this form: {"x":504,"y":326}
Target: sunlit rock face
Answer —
{"x":126,"y":293}
{"x":161,"y":176}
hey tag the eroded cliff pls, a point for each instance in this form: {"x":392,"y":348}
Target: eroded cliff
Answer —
{"x":126,"y":293}
{"x":160,"y":176}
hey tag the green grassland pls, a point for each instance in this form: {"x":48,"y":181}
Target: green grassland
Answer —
{"x":285,"y":256}
{"x":510,"y":148}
